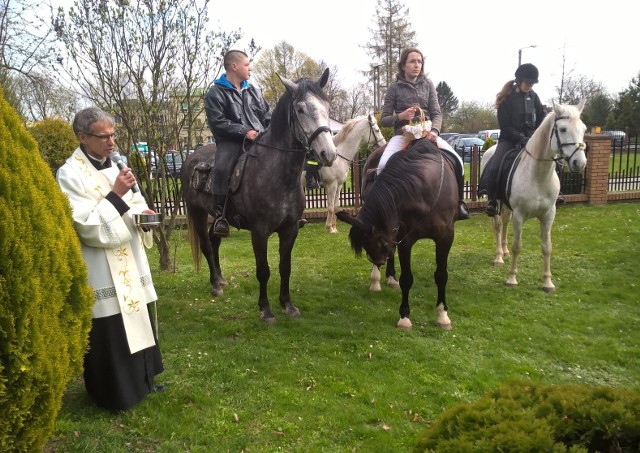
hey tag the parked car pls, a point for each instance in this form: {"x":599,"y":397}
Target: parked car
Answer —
{"x":464,"y":146}
{"x":446,"y":136}
{"x":618,"y":136}
{"x":489,"y":133}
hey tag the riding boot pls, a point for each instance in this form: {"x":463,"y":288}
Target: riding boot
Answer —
{"x":220,"y":226}
{"x":492,"y":208}
{"x":463,"y":210}
{"x":492,"y":204}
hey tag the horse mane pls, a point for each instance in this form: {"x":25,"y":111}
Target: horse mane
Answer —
{"x":280,"y":116}
{"x":347,"y":127}
{"x":401,"y":180}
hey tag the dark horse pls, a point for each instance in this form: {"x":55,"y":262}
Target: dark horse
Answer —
{"x":415,"y":197}
{"x":269,"y":197}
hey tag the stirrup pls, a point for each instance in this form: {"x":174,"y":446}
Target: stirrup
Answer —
{"x":221,"y":227}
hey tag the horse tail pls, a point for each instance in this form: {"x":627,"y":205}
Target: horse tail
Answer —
{"x":194,"y":241}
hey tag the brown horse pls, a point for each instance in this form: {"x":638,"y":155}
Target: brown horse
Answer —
{"x":414,"y":197}
{"x":269,"y":199}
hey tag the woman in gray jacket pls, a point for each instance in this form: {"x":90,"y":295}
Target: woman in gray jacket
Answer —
{"x":413,"y":89}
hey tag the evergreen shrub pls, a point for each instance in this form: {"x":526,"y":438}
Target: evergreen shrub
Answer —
{"x":45,"y":300}
{"x":56,"y":141}
{"x":532,"y":417}
{"x":488,"y":143}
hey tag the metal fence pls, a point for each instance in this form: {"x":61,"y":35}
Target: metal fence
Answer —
{"x":624,"y":175}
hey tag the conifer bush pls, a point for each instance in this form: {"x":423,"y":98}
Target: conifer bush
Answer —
{"x":488,"y":143}
{"x":45,"y":300}
{"x":532,"y":417}
{"x":56,"y":141}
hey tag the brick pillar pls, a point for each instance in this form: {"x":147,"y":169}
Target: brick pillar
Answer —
{"x":597,"y":172}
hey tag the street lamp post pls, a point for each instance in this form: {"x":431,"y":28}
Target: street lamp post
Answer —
{"x":520,"y":52}
{"x":376,"y":87}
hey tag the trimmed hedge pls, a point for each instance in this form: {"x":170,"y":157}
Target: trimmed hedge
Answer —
{"x":45,"y":301}
{"x":531,"y":417}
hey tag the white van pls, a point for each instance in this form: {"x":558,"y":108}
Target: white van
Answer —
{"x":493,"y":133}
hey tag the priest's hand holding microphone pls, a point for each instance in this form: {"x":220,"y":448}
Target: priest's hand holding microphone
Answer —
{"x":125,"y":180}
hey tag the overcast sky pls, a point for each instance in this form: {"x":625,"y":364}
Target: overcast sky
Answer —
{"x":470,"y":45}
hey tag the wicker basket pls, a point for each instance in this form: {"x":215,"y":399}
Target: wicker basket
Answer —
{"x":416,"y":130}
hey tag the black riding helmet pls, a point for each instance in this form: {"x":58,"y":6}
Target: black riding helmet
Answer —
{"x":527,"y":72}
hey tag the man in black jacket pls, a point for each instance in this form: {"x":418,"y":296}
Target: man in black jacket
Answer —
{"x":236,"y":111}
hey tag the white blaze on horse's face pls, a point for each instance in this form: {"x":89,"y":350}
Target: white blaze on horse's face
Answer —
{"x":312,"y":118}
{"x":569,"y":136}
{"x":313,"y":114}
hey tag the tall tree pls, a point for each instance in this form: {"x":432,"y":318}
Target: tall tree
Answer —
{"x":597,"y":110}
{"x":392,"y":33}
{"x":626,"y":112}
{"x":473,"y":117}
{"x":284,"y":60}
{"x":148,"y":62}
{"x":578,"y":88}
{"x":448,"y":103}
{"x":25,"y":49}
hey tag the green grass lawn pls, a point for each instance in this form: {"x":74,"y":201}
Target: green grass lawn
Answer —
{"x":343,"y":378}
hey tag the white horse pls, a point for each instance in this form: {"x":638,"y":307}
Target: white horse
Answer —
{"x":355,"y":132}
{"x":535,"y":184}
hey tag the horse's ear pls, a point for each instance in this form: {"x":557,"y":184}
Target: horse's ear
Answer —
{"x":324,"y":78}
{"x":288,"y":84}
{"x":344,"y":216}
{"x":352,"y":220}
{"x":580,"y":106}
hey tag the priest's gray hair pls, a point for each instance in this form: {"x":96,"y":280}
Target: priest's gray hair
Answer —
{"x":85,"y":118}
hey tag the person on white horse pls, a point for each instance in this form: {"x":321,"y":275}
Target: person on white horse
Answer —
{"x":413,"y":92}
{"x":520,"y":112}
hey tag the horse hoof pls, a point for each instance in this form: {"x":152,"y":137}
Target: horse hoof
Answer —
{"x":375,"y":288}
{"x":498,"y":263}
{"x":269,"y":320}
{"x":510,"y":285}
{"x":217,"y":292}
{"x":549,"y":289}
{"x":393,"y":283}
{"x":292,"y":312}
{"x":404,"y":323}
{"x":445,"y":326}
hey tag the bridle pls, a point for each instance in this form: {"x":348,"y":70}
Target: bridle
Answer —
{"x":581,"y":146}
{"x":308,"y":138}
{"x":297,"y":127}
{"x":372,"y":133}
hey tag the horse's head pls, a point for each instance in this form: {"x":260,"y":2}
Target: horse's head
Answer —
{"x":567,"y":136}
{"x":377,"y":244}
{"x":309,"y":116}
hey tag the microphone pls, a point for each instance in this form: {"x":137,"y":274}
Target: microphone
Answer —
{"x":116,"y":158}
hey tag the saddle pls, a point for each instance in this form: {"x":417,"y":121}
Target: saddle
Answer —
{"x":505,"y":169}
{"x":202,"y":179}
